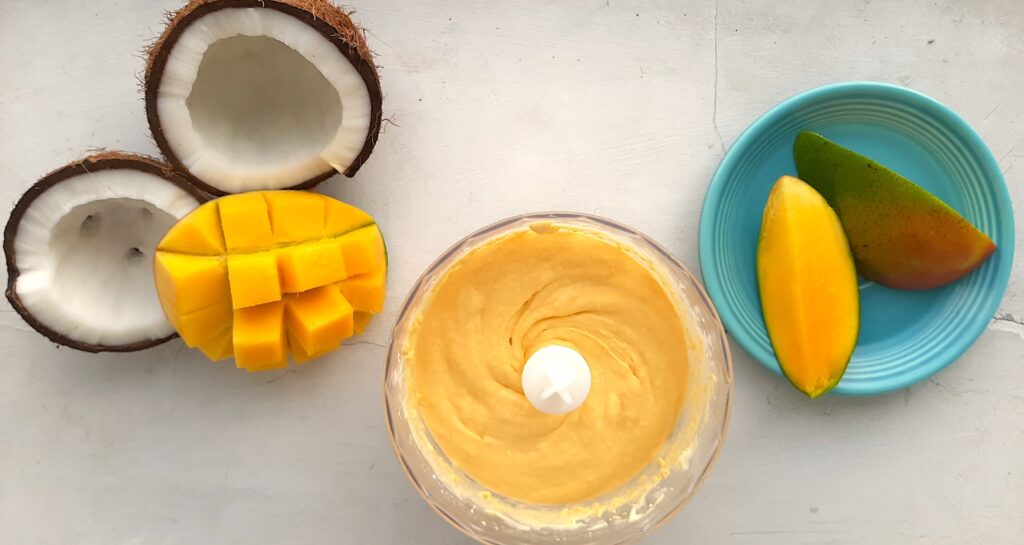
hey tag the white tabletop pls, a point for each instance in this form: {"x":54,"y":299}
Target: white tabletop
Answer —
{"x":608,"y":107}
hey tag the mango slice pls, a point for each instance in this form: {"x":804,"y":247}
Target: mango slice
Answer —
{"x":901,"y":235}
{"x":260,"y":275}
{"x":808,"y":284}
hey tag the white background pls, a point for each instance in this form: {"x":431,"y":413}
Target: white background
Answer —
{"x":499,"y":108}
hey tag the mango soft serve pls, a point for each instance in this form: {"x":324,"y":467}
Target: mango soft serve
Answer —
{"x":528,"y":289}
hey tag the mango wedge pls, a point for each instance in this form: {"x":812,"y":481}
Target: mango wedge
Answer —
{"x":262,"y":275}
{"x":808,"y":285}
{"x":901,"y":235}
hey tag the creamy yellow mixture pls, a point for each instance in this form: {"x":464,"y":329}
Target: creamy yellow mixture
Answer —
{"x":523,"y":291}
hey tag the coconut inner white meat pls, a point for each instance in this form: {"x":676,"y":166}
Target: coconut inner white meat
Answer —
{"x":261,"y":102}
{"x":252,"y":98}
{"x":85,"y":254}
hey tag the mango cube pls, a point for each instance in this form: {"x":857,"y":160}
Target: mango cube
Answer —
{"x":219,"y":347}
{"x":269,"y":367}
{"x":360,"y":321}
{"x":189,"y":282}
{"x":245,"y":221}
{"x":200,"y":326}
{"x":365,"y":291}
{"x":311,"y":265}
{"x":363,"y":250}
{"x":199,"y":234}
{"x":254,"y":279}
{"x":258,"y":338}
{"x":341,"y":218}
{"x":295,"y":216}
{"x":319,"y":319}
{"x":299,"y":353}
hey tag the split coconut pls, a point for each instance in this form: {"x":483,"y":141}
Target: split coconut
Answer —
{"x":247,"y":95}
{"x":80,"y":244}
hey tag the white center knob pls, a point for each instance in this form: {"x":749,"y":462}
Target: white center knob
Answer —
{"x":556,"y":379}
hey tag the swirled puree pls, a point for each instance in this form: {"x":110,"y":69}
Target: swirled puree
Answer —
{"x":508,"y":298}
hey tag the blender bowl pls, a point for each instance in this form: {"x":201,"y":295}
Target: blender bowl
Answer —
{"x":623,"y":515}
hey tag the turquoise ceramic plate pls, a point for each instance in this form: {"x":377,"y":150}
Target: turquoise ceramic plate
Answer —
{"x":905,"y":336}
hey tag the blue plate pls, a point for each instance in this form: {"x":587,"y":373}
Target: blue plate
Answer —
{"x":905,"y":336}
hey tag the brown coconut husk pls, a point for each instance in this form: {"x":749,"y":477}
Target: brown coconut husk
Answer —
{"x":326,"y":18}
{"x":102,"y":160}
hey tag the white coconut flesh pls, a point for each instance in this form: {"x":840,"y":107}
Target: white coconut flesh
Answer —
{"x":85,"y":255}
{"x":253,"y":98}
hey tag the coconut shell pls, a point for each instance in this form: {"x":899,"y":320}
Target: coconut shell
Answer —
{"x":321,"y":15}
{"x":104,"y":160}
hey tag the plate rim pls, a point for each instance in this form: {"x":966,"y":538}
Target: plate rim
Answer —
{"x":886,"y":91}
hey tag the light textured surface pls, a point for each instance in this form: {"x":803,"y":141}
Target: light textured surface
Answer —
{"x":498,"y":108}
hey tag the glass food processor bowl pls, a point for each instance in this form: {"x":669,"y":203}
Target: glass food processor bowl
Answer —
{"x":621,"y":516}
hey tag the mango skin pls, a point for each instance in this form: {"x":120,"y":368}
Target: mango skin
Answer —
{"x":901,"y":235}
{"x":808,"y":285}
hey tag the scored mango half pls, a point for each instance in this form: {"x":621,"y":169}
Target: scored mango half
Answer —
{"x":262,"y":275}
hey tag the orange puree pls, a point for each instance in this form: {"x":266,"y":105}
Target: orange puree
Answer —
{"x":514,"y":295}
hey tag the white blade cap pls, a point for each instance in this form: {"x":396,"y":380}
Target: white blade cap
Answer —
{"x":556,"y":379}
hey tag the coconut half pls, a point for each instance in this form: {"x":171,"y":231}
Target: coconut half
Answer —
{"x":79,"y":246}
{"x":262,"y":94}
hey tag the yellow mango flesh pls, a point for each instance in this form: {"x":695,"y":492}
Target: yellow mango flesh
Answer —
{"x":808,"y":286}
{"x":253,"y":279}
{"x":295,"y":215}
{"x":198,"y":327}
{"x":365,"y":291}
{"x":245,"y":221}
{"x":220,"y":347}
{"x":363,"y":250}
{"x":319,"y":319}
{"x":259,"y":275}
{"x":340,"y":217}
{"x":258,"y":335}
{"x":200,"y":234}
{"x":299,"y":354}
{"x":189,"y":283}
{"x":311,"y":265}
{"x":360,"y":321}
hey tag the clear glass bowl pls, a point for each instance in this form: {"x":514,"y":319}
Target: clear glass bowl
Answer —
{"x":622,"y":516}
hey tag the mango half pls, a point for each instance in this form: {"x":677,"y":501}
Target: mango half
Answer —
{"x":808,"y":284}
{"x":901,"y":235}
{"x":262,"y":275}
